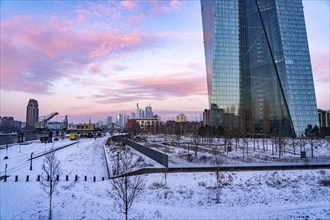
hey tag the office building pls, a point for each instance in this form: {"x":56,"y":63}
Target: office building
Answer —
{"x":32,"y":113}
{"x":149,"y":114}
{"x":181,"y":117}
{"x":258,"y":66}
{"x":324,"y":118}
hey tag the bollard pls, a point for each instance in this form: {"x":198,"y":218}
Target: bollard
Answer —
{"x":85,"y":178}
{"x":94,"y":179}
{"x":102,"y":178}
{"x":66,"y":177}
{"x":27,"y":178}
{"x":57,"y":178}
{"x":16,"y":178}
{"x":38,"y":178}
{"x":76,"y":178}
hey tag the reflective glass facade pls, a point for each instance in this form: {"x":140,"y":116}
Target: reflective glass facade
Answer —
{"x":258,"y":66}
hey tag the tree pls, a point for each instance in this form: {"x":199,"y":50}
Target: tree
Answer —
{"x":125,"y":189}
{"x":311,"y":131}
{"x":133,"y":127}
{"x":51,"y":167}
{"x":196,"y":142}
{"x":217,"y":162}
{"x":281,"y":143}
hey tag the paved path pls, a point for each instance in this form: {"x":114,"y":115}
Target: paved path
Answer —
{"x":56,"y":149}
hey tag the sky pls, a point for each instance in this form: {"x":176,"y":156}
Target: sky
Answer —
{"x":93,"y":59}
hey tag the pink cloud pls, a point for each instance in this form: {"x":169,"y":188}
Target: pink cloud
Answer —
{"x":321,"y":64}
{"x":321,"y":74}
{"x":170,"y":85}
{"x":129,"y":4}
{"x":194,"y":65}
{"x":45,"y":51}
{"x":164,"y":7}
{"x":158,"y":87}
{"x":152,"y":88}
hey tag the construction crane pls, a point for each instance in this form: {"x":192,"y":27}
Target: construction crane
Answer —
{"x":42,"y":122}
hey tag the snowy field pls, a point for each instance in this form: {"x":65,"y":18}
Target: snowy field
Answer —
{"x":296,"y":194}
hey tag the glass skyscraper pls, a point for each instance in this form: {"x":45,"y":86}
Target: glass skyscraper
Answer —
{"x":258,"y":67}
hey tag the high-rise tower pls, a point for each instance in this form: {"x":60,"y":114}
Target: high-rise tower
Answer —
{"x":32,"y":113}
{"x":149,"y":113}
{"x":258,"y":66}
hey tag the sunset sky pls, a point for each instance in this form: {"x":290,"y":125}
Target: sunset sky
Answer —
{"x":93,"y":59}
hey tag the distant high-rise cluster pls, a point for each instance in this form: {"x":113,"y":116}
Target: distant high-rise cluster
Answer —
{"x":258,"y":66}
{"x":32,"y":112}
{"x":141,"y":114}
{"x":122,"y":118}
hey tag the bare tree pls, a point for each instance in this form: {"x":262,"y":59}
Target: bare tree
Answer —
{"x":280,"y":143}
{"x":125,"y":189}
{"x":313,"y":142}
{"x":51,"y":167}
{"x":293,"y":142}
{"x":217,"y":162}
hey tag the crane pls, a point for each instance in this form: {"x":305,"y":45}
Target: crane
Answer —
{"x":42,"y":122}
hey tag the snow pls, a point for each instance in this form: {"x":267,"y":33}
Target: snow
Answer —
{"x":295,"y":194}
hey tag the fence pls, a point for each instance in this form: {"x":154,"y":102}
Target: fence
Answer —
{"x":153,"y":154}
{"x":106,"y":160}
{"x":66,"y":178}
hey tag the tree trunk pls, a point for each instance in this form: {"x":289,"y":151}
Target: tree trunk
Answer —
{"x":126,"y":202}
{"x":50,"y":205}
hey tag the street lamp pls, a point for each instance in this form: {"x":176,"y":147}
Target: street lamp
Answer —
{"x":6,"y":171}
{"x":6,"y":157}
{"x":31,"y":161}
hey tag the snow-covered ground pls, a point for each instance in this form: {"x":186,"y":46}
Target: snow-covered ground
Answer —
{"x":294,"y":194}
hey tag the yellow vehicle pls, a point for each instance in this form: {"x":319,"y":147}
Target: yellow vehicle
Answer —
{"x":73,"y":137}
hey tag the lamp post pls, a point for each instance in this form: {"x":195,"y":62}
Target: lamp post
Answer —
{"x":31,"y":161}
{"x":6,"y":157}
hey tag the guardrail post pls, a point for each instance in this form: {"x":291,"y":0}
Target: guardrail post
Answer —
{"x":85,"y":178}
{"x":94,"y":179}
{"x":76,"y":178}
{"x":27,"y":178}
{"x":66,"y":177}
{"x":16,"y":178}
{"x":38,"y":178}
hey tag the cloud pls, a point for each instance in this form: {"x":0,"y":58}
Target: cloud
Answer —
{"x":129,"y":4}
{"x":35,"y":53}
{"x":180,"y":84}
{"x":163,"y":7}
{"x":152,"y":88}
{"x":321,"y":65}
{"x":192,"y":65}
{"x":321,"y":74}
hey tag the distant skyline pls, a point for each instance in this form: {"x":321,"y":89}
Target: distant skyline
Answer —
{"x":93,"y":59}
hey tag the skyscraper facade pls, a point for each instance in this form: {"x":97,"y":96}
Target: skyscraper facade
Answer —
{"x":149,"y":113}
{"x":258,"y":67}
{"x":32,"y":113}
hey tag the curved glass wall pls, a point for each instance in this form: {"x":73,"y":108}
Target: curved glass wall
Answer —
{"x":258,"y":67}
